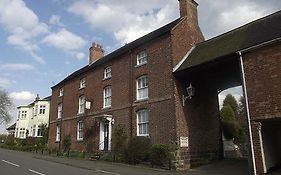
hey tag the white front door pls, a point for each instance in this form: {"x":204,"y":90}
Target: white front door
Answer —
{"x":105,"y":135}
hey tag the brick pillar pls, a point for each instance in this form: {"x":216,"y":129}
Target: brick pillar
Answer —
{"x":256,"y":127}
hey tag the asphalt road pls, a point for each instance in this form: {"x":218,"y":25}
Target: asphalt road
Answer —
{"x":19,"y":163}
{"x":23,"y":163}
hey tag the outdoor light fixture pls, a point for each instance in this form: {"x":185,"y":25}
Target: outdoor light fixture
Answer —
{"x":190,"y":93}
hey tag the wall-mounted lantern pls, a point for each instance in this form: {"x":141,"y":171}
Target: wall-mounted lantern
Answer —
{"x":190,"y":93}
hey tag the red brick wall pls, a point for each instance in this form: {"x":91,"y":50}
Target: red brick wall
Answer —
{"x":124,"y":104}
{"x":263,"y":79}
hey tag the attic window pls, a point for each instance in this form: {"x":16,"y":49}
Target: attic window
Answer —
{"x":82,"y":83}
{"x":141,"y":58}
{"x":61,"y":92}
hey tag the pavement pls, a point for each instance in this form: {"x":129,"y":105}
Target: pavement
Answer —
{"x":225,"y":167}
{"x":73,"y":166}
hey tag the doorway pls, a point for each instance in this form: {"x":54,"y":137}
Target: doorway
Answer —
{"x":105,"y":135}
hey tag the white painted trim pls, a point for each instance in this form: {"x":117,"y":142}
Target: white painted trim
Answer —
{"x":262,"y":151}
{"x":260,"y":45}
{"x":184,"y":58}
{"x":101,"y":140}
{"x":248,"y":112}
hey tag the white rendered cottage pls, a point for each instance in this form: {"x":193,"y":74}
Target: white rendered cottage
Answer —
{"x":30,"y":117}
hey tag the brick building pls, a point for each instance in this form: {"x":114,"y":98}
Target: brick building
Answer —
{"x":248,"y":56}
{"x":133,"y":86}
{"x":142,"y":86}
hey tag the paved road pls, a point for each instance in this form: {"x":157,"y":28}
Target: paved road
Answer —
{"x":22,"y":163}
{"x":19,"y":163}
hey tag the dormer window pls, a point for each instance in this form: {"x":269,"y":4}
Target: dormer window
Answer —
{"x":141,"y":58}
{"x":107,"y":72}
{"x":82,"y":83}
{"x":61,"y":92}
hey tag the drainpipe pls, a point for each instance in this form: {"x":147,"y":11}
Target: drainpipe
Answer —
{"x":247,"y":110}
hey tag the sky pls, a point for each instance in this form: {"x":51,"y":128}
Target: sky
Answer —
{"x":42,"y":42}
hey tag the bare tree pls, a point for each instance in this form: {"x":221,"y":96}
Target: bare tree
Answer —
{"x":5,"y":106}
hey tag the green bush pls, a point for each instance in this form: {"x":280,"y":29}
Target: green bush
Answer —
{"x":76,"y":154}
{"x":10,"y":140}
{"x":66,"y":144}
{"x":119,"y":138}
{"x":138,"y":150}
{"x":159,"y":155}
{"x":230,"y":129}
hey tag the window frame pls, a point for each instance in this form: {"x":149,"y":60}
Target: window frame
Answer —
{"x":23,"y":114}
{"x":59,"y":114}
{"x":42,"y":109}
{"x":81,"y":104}
{"x":61,"y":92}
{"x":140,"y":123}
{"x":140,"y":89}
{"x":82,"y":83}
{"x":107,"y":97}
{"x":80,"y":128}
{"x":58,"y":134}
{"x":141,"y":58}
{"x":107,"y":73}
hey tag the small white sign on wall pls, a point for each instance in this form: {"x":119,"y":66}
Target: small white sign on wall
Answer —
{"x":183,"y":141}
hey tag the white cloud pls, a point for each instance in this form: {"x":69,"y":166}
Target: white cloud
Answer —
{"x":4,"y":82}
{"x":55,"y":20}
{"x":126,"y":19}
{"x":219,"y":16}
{"x":22,"y":96}
{"x":80,"y":55}
{"x":16,"y":67}
{"x":243,"y":14}
{"x":65,"y":40}
{"x":23,"y":26}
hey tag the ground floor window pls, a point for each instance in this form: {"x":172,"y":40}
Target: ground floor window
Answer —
{"x":58,"y":134}
{"x":142,"y":123}
{"x":80,"y":126}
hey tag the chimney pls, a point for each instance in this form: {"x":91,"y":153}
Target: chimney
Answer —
{"x":96,"y":52}
{"x":188,"y":9}
{"x":37,"y":97}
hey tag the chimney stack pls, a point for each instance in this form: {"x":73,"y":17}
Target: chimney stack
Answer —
{"x":96,"y":52}
{"x":188,"y":9}
{"x":37,"y":97}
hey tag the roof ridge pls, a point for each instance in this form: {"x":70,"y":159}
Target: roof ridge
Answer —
{"x":151,"y":35}
{"x":238,"y":28}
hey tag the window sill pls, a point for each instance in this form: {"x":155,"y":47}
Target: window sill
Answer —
{"x":81,"y":114}
{"x":139,"y":65}
{"x":107,"y":78}
{"x":80,"y":88}
{"x":57,"y":141}
{"x":106,"y":108}
{"x":79,"y":141}
{"x":143,"y":135}
{"x":141,"y":100}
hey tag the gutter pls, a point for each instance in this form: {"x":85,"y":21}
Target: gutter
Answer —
{"x":260,"y":45}
{"x":248,"y":111}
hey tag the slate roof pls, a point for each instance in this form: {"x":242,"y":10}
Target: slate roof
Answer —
{"x":251,"y":34}
{"x":12,"y":127}
{"x":150,"y":36}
